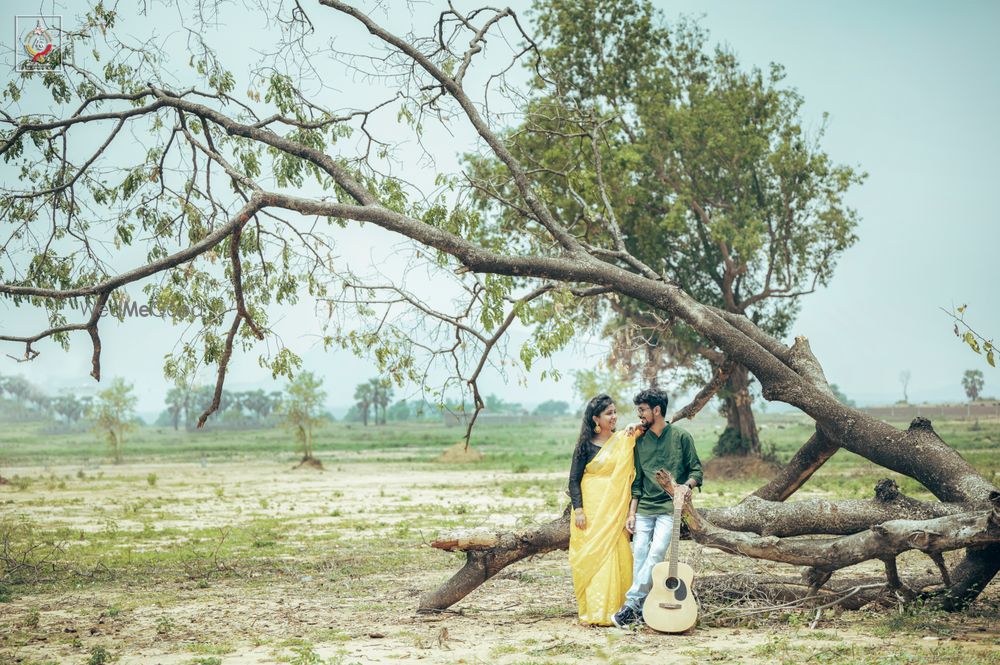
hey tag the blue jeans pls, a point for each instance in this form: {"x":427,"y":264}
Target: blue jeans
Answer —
{"x":649,"y":547}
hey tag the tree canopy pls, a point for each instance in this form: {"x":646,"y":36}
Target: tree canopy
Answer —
{"x":704,"y":166}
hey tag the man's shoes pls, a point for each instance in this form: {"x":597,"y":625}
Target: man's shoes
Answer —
{"x":639,"y":619}
{"x":625,"y":617}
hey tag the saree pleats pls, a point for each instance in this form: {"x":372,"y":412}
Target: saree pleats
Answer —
{"x":599,"y":555}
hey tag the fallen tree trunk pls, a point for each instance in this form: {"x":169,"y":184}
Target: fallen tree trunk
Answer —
{"x":881,"y":541}
{"x":806,"y":461}
{"x":488,"y":552}
{"x":823,"y":516}
{"x":978,"y":531}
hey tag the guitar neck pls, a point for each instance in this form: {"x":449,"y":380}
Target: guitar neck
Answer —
{"x":675,"y":537}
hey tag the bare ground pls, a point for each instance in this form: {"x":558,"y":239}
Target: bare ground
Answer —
{"x":344,"y":607}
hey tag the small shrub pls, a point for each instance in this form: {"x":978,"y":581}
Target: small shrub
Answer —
{"x":164,"y":625}
{"x":151,"y":479}
{"x":99,"y":656}
{"x":20,"y":483}
{"x":306,"y":656}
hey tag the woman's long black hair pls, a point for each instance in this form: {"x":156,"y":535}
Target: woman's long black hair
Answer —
{"x":595,"y":407}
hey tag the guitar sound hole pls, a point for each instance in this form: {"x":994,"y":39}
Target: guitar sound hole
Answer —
{"x":677,"y":586}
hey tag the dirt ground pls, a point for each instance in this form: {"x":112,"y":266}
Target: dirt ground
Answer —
{"x":278,"y":613}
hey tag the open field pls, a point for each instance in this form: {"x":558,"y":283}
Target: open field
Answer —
{"x":208,"y":548}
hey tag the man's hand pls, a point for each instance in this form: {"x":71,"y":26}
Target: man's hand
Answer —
{"x":630,"y":524}
{"x":580,"y":519}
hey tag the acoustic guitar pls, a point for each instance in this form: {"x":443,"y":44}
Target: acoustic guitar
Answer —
{"x":670,"y":606}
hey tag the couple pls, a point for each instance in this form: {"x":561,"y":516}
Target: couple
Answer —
{"x":613,"y":490}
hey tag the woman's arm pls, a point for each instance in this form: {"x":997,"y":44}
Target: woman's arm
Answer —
{"x":575,"y":476}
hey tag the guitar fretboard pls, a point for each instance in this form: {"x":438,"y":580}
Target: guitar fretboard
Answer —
{"x":675,"y":535}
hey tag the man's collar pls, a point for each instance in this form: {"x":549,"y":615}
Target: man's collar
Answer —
{"x":666,"y":428}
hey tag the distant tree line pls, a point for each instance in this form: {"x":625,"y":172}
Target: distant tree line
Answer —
{"x":236,"y":408}
{"x":34,"y":402}
{"x":373,"y":405}
{"x":257,"y":408}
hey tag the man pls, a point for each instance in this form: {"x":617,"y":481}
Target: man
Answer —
{"x":650,"y":515}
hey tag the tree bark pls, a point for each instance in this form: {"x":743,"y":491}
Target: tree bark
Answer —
{"x":881,"y":541}
{"x":740,"y":421}
{"x":822,"y":516}
{"x":487,"y":555}
{"x":806,"y":461}
{"x":969,"y":578}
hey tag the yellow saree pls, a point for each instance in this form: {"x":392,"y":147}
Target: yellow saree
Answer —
{"x":599,"y":555}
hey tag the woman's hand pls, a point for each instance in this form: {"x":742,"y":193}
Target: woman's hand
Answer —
{"x":632,"y":430}
{"x":580,"y":519}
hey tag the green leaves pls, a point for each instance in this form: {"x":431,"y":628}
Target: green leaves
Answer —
{"x":973,"y":339}
{"x":969,"y":339}
{"x":281,"y":93}
{"x":705,"y":164}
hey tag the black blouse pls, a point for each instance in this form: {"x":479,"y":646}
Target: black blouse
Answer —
{"x":576,"y":473}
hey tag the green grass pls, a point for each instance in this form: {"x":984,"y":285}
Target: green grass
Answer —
{"x":543,"y":447}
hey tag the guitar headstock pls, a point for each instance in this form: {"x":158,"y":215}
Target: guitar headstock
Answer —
{"x":666,"y":481}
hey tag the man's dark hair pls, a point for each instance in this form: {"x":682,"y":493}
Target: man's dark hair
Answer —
{"x":653,"y":397}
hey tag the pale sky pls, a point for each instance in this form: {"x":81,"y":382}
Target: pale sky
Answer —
{"x":913,"y":94}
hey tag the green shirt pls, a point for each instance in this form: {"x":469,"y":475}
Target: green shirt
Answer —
{"x":674,"y":451}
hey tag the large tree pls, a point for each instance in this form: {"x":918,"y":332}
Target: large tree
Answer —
{"x":705,"y":167}
{"x":195,"y":208}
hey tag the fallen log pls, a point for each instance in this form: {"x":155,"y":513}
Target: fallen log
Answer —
{"x":978,"y":531}
{"x":489,"y":552}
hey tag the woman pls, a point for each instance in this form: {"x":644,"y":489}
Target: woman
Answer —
{"x":600,"y":483}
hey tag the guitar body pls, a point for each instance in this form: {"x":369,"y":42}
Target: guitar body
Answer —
{"x":670,"y":606}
